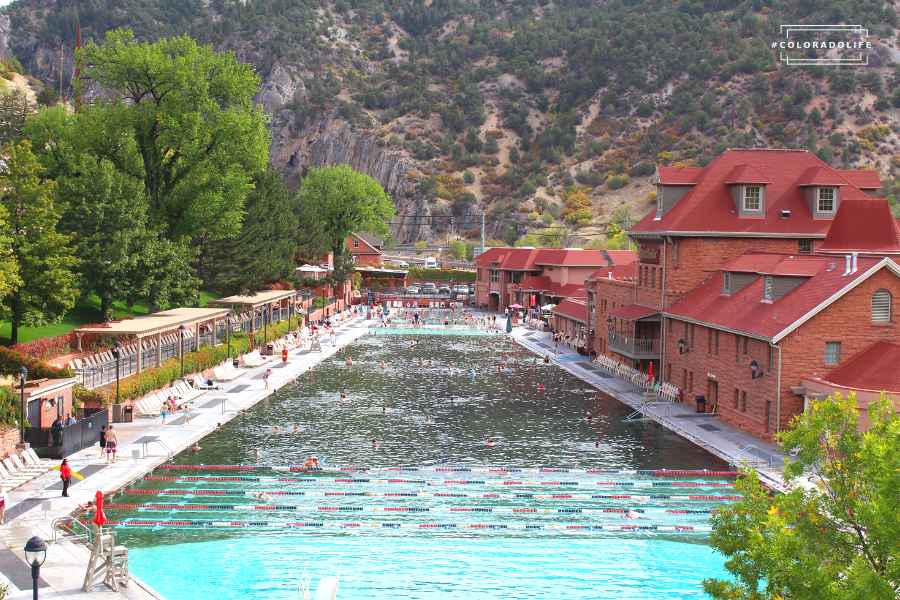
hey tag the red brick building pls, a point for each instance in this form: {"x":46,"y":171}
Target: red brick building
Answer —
{"x":537,"y":276}
{"x":365,"y":248}
{"x":744,"y":200}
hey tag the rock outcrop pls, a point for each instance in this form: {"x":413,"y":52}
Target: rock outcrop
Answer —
{"x":328,"y":141}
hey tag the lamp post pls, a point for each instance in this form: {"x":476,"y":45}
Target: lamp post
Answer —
{"x":23,"y":375}
{"x":181,"y":347}
{"x":266,"y":312}
{"x":681,"y":347}
{"x":117,"y":353}
{"x":228,"y":331}
{"x":35,"y":554}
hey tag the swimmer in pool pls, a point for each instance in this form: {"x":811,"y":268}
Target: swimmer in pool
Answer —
{"x":277,"y":429}
{"x":426,"y":418}
{"x":296,"y":429}
{"x":343,"y":398}
{"x":631,"y":515}
{"x":546,"y":359}
{"x":589,"y":417}
{"x":195,"y":447}
{"x":384,"y":410}
{"x":218,"y":427}
{"x":255,"y":451}
{"x":383,"y":365}
{"x":449,"y":368}
{"x":429,"y":363}
{"x":597,"y":445}
{"x":421,"y":362}
{"x":260,"y":495}
{"x":488,"y":442}
{"x":374,"y":443}
{"x":349,"y":362}
{"x":312,"y":461}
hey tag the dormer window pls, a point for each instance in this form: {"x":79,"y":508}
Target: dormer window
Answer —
{"x":826,"y":199}
{"x":752,"y":197}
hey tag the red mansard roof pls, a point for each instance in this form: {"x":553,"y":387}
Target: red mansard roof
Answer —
{"x":867,"y":226}
{"x":572,"y":308}
{"x":821,"y":176}
{"x":745,"y":311}
{"x":633,"y":312}
{"x":708,"y":208}
{"x":530,"y":259}
{"x":864,"y":179}
{"x":874,"y":368}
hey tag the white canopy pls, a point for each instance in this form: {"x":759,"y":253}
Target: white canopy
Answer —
{"x":548,"y":307}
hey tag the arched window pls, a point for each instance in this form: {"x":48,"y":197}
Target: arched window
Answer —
{"x":881,"y":307}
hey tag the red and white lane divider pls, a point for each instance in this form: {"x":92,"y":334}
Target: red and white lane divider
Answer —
{"x":477,"y":526}
{"x":408,"y":509}
{"x":295,"y":468}
{"x":431,"y":495}
{"x":444,"y":481}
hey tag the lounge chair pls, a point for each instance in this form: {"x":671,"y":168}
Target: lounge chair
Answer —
{"x":202,"y":385}
{"x":31,"y":457}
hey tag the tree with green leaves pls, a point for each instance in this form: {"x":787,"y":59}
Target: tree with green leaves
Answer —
{"x":278,"y":225}
{"x":14,"y":110}
{"x":837,"y":539}
{"x":180,"y":118}
{"x":107,"y":213}
{"x":346,"y":202}
{"x":45,"y":290}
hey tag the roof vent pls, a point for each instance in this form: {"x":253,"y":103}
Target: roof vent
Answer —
{"x":785,"y":214}
{"x":831,"y":267}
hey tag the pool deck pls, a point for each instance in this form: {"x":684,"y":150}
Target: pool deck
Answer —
{"x":63,"y":571}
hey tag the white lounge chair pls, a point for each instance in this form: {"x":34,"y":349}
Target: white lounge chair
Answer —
{"x":31,"y":457}
{"x":202,"y":385}
{"x":15,"y":467}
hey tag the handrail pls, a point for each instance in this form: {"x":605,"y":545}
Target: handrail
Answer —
{"x":69,"y":520}
{"x":733,"y":460}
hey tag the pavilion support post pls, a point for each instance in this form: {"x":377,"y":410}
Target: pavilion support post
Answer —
{"x":78,"y":341}
{"x":196,"y":336}
{"x":140,"y":352}
{"x":158,"y":349}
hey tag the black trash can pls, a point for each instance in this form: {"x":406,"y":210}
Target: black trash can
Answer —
{"x":269,"y":349}
{"x":701,"y":404}
{"x":128,"y":415}
{"x":236,"y":363}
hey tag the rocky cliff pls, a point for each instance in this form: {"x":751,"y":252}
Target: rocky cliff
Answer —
{"x":328,"y":141}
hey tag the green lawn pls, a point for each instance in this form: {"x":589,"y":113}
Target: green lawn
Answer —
{"x":86,"y":311}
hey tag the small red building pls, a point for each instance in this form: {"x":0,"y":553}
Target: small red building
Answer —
{"x":365,"y":248}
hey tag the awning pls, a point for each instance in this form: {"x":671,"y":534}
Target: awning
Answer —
{"x":634,"y":312}
{"x":548,"y":307}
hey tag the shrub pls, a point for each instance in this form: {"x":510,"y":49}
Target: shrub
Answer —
{"x":617,"y":181}
{"x":10,"y":361}
{"x":9,"y":406}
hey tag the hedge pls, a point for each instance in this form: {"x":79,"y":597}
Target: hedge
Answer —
{"x":441,"y":275}
{"x":155,"y":378}
{"x":9,"y":406}
{"x":10,"y":361}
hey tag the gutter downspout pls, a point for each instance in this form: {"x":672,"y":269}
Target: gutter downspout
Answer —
{"x":778,"y":391}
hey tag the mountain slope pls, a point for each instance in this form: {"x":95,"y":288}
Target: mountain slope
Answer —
{"x":539,"y":113}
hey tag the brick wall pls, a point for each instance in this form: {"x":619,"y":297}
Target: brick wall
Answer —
{"x":49,"y":413}
{"x":698,"y":259}
{"x":609,"y":294}
{"x":721,"y":362}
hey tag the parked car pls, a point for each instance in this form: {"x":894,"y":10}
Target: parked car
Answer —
{"x":463,"y":289}
{"x":428,"y":288}
{"x":402,"y":264}
{"x":444,"y":289}
{"x":413,"y":289}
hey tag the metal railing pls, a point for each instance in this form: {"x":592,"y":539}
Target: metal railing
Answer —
{"x":635,"y":347}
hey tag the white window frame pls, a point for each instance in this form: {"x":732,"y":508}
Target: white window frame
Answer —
{"x":495,"y":276}
{"x":758,"y":197}
{"x":804,"y":246}
{"x":832,"y":199}
{"x":355,"y":243}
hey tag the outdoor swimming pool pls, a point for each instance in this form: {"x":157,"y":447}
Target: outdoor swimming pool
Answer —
{"x":347,"y":518}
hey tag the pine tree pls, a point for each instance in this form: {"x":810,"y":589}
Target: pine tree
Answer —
{"x":46,"y":283}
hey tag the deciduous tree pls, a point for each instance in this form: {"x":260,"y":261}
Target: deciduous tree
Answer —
{"x":837,"y":539}
{"x":45,"y":290}
{"x":346,"y":202}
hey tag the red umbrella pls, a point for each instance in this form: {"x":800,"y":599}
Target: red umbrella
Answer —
{"x":100,"y":519}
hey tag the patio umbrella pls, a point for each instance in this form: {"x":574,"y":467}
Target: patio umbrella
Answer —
{"x":100,"y":518}
{"x":509,"y":323}
{"x":516,"y":306}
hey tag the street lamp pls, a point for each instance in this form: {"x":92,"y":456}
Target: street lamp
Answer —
{"x":117,"y":352}
{"x":35,"y":554}
{"x":266,"y":312}
{"x":609,"y":323}
{"x":23,"y":374}
{"x":228,"y":331}
{"x":181,"y":347}
{"x":681,"y":347}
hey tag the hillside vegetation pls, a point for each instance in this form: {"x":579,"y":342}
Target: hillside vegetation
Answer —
{"x":541,"y":113}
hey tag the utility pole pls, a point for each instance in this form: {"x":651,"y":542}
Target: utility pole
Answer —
{"x":61,"y":58}
{"x":482,"y":231}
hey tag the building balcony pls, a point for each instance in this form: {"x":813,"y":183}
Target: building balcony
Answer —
{"x":633,"y":348}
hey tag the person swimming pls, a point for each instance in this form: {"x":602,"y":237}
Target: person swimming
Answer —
{"x":277,"y":429}
{"x":343,"y":398}
{"x":546,"y":359}
{"x":195,"y":447}
{"x":349,"y":362}
{"x":374,"y":443}
{"x":631,"y":515}
{"x":383,"y":365}
{"x":589,"y":416}
{"x":384,"y":410}
{"x":421,"y":362}
{"x":312,"y":461}
{"x":261,"y":495}
{"x":488,"y":442}
{"x":255,"y":451}
{"x":296,"y":429}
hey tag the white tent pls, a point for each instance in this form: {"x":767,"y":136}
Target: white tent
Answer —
{"x":548,"y":307}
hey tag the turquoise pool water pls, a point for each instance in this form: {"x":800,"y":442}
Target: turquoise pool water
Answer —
{"x":421,"y":426}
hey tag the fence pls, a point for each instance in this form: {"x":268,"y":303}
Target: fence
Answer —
{"x":53,"y":442}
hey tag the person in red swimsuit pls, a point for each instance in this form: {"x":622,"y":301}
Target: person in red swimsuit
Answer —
{"x":284,"y":355}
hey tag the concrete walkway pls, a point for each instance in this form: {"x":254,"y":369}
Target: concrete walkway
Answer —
{"x":722,"y":439}
{"x":64,"y":569}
